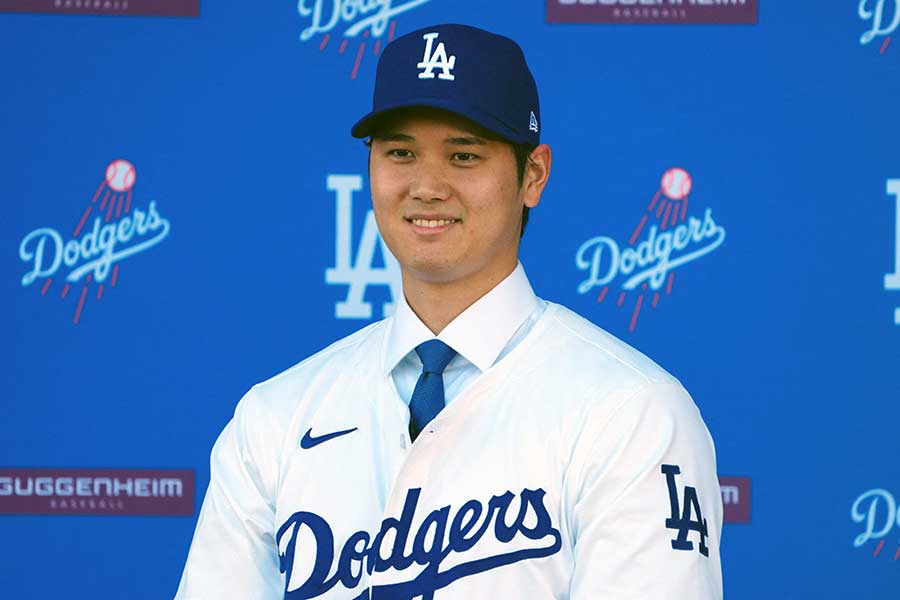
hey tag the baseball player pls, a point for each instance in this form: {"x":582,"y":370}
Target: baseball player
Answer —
{"x":481,"y":442}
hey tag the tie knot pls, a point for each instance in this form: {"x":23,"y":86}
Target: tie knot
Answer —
{"x":435,"y":355}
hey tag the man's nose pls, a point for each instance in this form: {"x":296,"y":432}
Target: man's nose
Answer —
{"x":430,"y":183}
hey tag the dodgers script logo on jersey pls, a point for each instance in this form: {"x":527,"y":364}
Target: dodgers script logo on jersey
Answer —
{"x":879,"y":515}
{"x":882,"y":17}
{"x":670,"y":240}
{"x":444,"y":531}
{"x":94,"y":258}
{"x":350,"y":20}
{"x":892,"y":280}
{"x":360,"y":272}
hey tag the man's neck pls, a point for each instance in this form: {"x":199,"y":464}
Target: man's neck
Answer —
{"x":437,"y":303}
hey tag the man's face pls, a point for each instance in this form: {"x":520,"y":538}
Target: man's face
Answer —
{"x":447,"y":201}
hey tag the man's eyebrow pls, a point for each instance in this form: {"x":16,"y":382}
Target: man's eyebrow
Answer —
{"x":393,"y":137}
{"x":470,"y":140}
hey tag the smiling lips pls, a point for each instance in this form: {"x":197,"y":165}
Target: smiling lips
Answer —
{"x":432,"y":223}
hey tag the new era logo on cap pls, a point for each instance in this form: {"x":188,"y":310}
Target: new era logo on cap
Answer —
{"x":436,"y":60}
{"x":491,"y":83}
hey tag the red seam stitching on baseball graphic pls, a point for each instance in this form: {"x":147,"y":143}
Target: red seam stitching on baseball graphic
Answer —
{"x":377,"y":47}
{"x":99,"y":189}
{"x":637,"y":311}
{"x":84,"y":217}
{"x":684,"y":207}
{"x":359,"y":55}
{"x":128,"y":202}
{"x":878,"y":549}
{"x":343,"y":46}
{"x":621,"y":299}
{"x":655,"y":299}
{"x":105,"y":198}
{"x":655,"y":198}
{"x":666,"y":216}
{"x":324,"y":41}
{"x":391,"y":30}
{"x":897,"y":555}
{"x":602,"y":294}
{"x":100,"y":292}
{"x":65,"y":291}
{"x":115,"y":275}
{"x":637,"y":231}
{"x":80,"y":305}
{"x":109,"y":211}
{"x":884,"y":46}
{"x":119,"y":206}
{"x":46,"y":286}
{"x":669,"y":283}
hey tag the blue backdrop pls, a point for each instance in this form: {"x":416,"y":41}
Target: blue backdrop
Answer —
{"x":785,"y":333}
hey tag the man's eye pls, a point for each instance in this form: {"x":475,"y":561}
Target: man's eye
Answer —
{"x":464,"y":157}
{"x":400,"y":153}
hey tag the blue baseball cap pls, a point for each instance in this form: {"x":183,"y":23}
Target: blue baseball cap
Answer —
{"x":479,"y":75}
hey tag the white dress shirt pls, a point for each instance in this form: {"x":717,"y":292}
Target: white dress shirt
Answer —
{"x":481,"y":335}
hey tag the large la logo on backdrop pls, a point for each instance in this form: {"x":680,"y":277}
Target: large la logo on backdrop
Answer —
{"x":357,"y":270}
{"x":365,"y":24}
{"x":892,"y":280}
{"x":89,"y":258}
{"x":664,"y":240}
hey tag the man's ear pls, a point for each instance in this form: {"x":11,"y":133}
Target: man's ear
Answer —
{"x":537,"y":172}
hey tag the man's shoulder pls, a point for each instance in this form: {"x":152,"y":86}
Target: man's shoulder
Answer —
{"x":362,"y":346}
{"x":591,"y":353}
{"x":356,"y":353}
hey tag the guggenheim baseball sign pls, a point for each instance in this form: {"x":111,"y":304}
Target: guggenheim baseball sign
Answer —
{"x":625,"y":12}
{"x":96,"y":492}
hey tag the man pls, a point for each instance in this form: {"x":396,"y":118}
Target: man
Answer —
{"x":480,"y":443}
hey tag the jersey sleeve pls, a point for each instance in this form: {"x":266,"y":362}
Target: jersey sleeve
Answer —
{"x":233,"y":553}
{"x":646,"y":510}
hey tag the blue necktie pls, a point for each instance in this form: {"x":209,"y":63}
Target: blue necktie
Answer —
{"x":428,"y":397}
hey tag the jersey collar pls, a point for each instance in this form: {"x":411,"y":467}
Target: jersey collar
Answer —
{"x":479,"y":333}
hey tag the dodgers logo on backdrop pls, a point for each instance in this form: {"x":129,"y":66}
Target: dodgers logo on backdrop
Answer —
{"x":339,"y":22}
{"x":877,"y":512}
{"x":91,"y":255}
{"x":892,"y":280}
{"x":882,"y":17}
{"x":664,"y":240}
{"x":359,"y":272}
{"x":516,"y":526}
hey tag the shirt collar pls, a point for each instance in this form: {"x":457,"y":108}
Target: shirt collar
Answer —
{"x":479,"y":333}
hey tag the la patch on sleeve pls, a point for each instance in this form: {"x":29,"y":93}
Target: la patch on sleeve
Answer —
{"x":686,"y":514}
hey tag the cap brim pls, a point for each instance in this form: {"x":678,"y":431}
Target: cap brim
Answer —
{"x":367,"y":124}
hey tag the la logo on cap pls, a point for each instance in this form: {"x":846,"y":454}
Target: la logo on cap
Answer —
{"x":436,"y":60}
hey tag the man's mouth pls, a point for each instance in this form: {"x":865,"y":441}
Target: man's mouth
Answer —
{"x":432,"y":223}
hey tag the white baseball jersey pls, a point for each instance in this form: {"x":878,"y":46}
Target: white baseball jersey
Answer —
{"x":572,"y":468}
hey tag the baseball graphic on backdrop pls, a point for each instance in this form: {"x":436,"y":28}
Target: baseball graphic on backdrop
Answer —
{"x":120,"y":175}
{"x":676,"y":183}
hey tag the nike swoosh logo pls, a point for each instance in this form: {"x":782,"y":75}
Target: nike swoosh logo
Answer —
{"x":309,"y":441}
